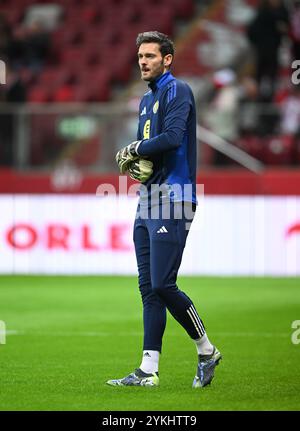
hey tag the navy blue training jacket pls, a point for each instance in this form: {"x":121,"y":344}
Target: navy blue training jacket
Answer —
{"x":167,"y":128}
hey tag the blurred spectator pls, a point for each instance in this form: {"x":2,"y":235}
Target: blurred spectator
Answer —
{"x":247,"y":112}
{"x":5,"y":38}
{"x":36,"y":44}
{"x":265,"y":33}
{"x":11,"y":48}
{"x":220,"y":117}
{"x":295,"y":30}
{"x":234,"y":111}
{"x":290,"y":112}
{"x":221,"y":114}
{"x":12,"y":92}
{"x":254,"y":117}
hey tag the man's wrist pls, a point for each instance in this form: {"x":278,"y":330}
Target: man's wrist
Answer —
{"x":134,"y":148}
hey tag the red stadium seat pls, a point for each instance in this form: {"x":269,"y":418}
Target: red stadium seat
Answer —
{"x":54,"y":77}
{"x":297,"y":150}
{"x":162,"y":22}
{"x":12,"y":15}
{"x":66,"y":36}
{"x":95,"y":44}
{"x":16,"y":4}
{"x":253,"y":145}
{"x":64,"y":93}
{"x":184,"y":8}
{"x":82,"y":15}
{"x":278,"y":150}
{"x":95,"y":92}
{"x":92,"y":74}
{"x":77,"y":57}
{"x":120,"y":65}
{"x":125,"y":15}
{"x":97,"y":38}
{"x":63,"y":39}
{"x":27,"y":76}
{"x":38,"y":94}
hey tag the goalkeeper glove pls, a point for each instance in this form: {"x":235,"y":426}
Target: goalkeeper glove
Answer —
{"x":140,"y":170}
{"x":127,"y":155}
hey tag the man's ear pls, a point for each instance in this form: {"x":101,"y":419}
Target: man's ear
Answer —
{"x":168,"y":60}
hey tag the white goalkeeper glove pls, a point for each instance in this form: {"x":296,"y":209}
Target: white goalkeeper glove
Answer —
{"x":140,"y":170}
{"x":127,"y":155}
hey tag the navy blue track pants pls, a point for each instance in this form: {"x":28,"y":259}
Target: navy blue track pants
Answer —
{"x":159,"y":245}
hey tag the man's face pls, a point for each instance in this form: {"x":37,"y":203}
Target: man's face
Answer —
{"x":151,"y":62}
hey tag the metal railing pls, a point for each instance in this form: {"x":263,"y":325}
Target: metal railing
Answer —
{"x":40,"y":136}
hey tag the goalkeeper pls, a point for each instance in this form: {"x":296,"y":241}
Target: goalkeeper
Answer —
{"x":164,"y":159}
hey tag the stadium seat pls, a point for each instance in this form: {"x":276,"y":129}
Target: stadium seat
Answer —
{"x":13,"y":16}
{"x":87,"y":75}
{"x":28,"y":77}
{"x":183,"y":8}
{"x":161,"y":22}
{"x":125,"y":15}
{"x":252,"y":145}
{"x":121,"y":65}
{"x":88,"y":36}
{"x":91,"y":85}
{"x":76,"y":57}
{"x":66,"y":36}
{"x":62,"y":94}
{"x":54,"y":77}
{"x":82,"y":15}
{"x":38,"y":94}
{"x":278,"y":150}
{"x":97,"y":38}
{"x":63,"y":39}
{"x":297,"y":150}
{"x":81,"y":93}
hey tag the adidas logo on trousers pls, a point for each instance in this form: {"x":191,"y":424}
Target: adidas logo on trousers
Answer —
{"x":162,"y":230}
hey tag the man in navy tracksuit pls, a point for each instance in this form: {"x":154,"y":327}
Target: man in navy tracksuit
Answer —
{"x":164,"y":160}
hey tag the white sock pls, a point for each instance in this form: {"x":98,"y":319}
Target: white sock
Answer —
{"x":150,"y":361}
{"x":204,"y":346}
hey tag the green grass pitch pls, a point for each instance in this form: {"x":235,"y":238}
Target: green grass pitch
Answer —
{"x":67,"y":335}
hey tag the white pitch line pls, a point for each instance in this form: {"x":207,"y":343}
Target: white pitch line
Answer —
{"x":126,"y":334}
{"x":13,"y":332}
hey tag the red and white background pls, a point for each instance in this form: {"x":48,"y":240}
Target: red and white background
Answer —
{"x":254,"y":234}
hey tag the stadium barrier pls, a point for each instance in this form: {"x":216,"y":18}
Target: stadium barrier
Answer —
{"x":42,"y":135}
{"x":84,"y":234}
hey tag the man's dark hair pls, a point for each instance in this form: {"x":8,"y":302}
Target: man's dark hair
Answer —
{"x":166,"y":46}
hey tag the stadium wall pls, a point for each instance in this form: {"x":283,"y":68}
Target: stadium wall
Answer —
{"x":216,"y":182}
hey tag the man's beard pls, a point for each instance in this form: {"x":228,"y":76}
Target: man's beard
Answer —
{"x":159,"y":73}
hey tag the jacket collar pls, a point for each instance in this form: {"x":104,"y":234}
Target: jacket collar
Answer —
{"x":161,"y":81}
